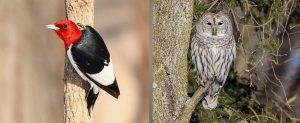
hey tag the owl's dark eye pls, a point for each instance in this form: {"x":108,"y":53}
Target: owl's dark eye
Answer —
{"x":65,"y":26}
{"x":220,"y":23}
{"x":209,"y":23}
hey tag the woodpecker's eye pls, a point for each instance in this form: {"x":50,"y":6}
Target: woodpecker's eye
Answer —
{"x":208,"y":23}
{"x":220,"y":23}
{"x":64,"y":26}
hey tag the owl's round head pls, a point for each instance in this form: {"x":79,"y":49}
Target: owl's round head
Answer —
{"x":214,"y":25}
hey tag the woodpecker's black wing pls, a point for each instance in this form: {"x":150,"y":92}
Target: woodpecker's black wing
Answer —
{"x":90,"y":52}
{"x":92,"y":58}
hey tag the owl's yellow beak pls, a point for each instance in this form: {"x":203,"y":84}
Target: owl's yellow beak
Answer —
{"x":214,"y":31}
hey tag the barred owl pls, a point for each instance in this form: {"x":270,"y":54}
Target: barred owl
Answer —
{"x":213,"y":49}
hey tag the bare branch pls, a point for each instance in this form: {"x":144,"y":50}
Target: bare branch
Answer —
{"x":191,"y":103}
{"x":79,"y":11}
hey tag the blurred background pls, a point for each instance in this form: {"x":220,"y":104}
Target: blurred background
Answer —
{"x":32,"y":61}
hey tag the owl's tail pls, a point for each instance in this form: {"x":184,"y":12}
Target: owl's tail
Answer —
{"x":210,"y":100}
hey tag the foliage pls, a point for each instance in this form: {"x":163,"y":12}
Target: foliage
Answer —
{"x":236,"y":105}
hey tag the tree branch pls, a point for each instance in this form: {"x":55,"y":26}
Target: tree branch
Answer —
{"x":191,"y":104}
{"x":79,"y":11}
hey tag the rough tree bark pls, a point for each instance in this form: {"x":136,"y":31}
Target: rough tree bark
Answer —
{"x":79,"y":11}
{"x":172,"y":25}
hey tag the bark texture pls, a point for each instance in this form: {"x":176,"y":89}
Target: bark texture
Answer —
{"x":79,"y":11}
{"x":172,"y":24}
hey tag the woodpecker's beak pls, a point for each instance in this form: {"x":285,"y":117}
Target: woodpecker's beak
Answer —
{"x":214,"y":31}
{"x":53,"y":27}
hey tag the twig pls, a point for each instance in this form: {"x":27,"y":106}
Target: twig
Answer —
{"x":257,"y":117}
{"x":266,"y":117}
{"x":289,"y":8}
{"x":213,"y":4}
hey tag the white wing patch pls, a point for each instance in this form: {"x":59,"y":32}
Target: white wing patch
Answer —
{"x":106,"y":76}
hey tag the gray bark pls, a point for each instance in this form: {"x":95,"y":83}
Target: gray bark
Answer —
{"x":172,"y":24}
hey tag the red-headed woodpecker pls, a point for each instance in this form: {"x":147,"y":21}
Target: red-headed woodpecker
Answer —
{"x":90,"y":58}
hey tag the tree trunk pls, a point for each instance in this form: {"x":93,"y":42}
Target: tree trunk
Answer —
{"x":172,"y":24}
{"x":80,"y":11}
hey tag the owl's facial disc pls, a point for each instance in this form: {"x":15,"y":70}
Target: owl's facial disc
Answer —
{"x":214,"y":25}
{"x":208,"y":27}
{"x":221,"y":26}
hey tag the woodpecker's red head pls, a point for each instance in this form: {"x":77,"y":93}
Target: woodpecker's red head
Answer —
{"x":67,"y":30}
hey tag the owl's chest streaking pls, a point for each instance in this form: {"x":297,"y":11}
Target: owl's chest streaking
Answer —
{"x":212,"y":57}
{"x":216,"y":55}
{"x":214,"y":42}
{"x":214,"y":50}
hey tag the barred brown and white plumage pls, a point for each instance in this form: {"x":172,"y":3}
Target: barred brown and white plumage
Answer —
{"x":213,"y":49}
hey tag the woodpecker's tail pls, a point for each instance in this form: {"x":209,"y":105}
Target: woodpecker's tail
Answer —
{"x":91,"y":98}
{"x":210,"y":100}
{"x":112,"y":89}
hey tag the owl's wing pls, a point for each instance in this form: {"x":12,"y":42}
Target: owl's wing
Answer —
{"x":196,"y":60}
